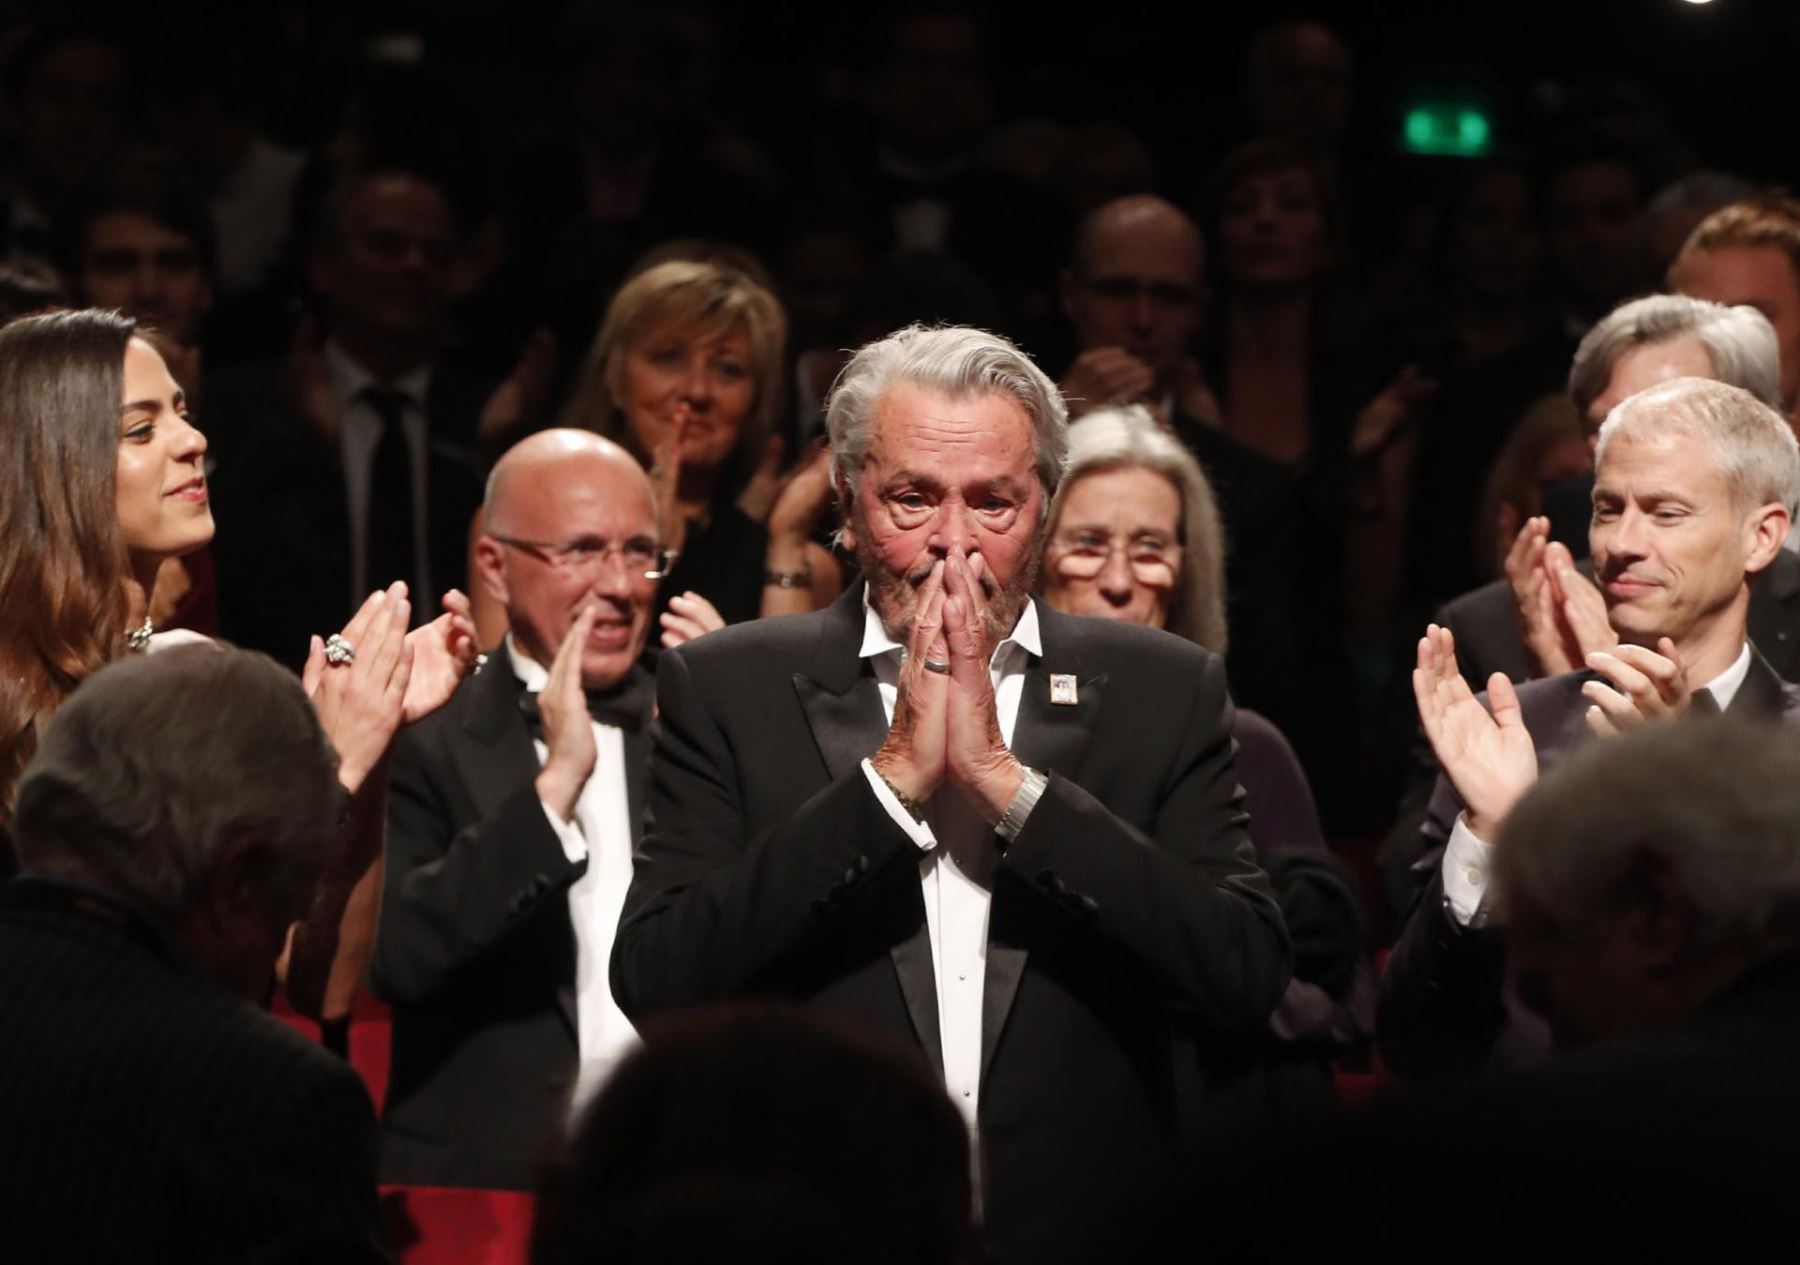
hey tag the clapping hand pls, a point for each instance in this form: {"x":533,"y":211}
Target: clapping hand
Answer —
{"x":1489,"y":758}
{"x":1646,"y":685}
{"x":360,"y":702}
{"x":570,"y":750}
{"x":689,"y":616}
{"x":443,"y":652}
{"x":1562,"y":616}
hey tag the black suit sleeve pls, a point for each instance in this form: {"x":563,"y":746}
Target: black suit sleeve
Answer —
{"x":450,"y":894}
{"x":1439,"y":1012}
{"x":712,"y":914}
{"x":1185,"y":898}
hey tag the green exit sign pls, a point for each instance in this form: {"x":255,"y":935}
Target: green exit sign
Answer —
{"x":1449,"y":130}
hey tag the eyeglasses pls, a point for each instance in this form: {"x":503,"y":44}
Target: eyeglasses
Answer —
{"x":639,"y":554}
{"x":1168,"y":295}
{"x":1083,"y":555}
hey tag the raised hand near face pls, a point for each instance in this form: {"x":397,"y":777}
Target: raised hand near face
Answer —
{"x":1489,"y":758}
{"x":570,"y":752}
{"x":1647,"y":685}
{"x":689,"y":616}
{"x":912,"y":759}
{"x":977,"y":757}
{"x":443,"y":652}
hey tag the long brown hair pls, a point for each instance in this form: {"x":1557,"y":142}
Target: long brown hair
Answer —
{"x":63,"y":564}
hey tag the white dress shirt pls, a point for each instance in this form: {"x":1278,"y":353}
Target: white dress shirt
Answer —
{"x":360,"y":437}
{"x":960,"y":854}
{"x":1468,"y":858}
{"x":601,"y":835}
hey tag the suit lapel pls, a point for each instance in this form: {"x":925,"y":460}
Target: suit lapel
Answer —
{"x":496,"y":757}
{"x":1760,"y":696}
{"x":1052,"y":738}
{"x":842,"y":701}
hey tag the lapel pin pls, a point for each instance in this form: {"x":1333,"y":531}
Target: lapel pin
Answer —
{"x":1062,"y":690}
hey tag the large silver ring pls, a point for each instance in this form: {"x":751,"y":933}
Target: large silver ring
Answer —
{"x":339,"y":653}
{"x":932,"y":665}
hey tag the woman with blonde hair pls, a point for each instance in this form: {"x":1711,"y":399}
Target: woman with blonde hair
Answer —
{"x":686,"y":372}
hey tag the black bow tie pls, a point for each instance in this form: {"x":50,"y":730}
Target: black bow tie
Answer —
{"x":624,"y":706}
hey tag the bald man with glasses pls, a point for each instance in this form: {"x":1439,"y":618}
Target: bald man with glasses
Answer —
{"x":513,"y":821}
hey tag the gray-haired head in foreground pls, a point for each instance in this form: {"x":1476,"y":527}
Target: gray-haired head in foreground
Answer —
{"x":157,"y":762}
{"x":1129,"y":438}
{"x":1752,"y":443}
{"x":1716,"y":802}
{"x":1739,"y":341}
{"x":956,"y":361}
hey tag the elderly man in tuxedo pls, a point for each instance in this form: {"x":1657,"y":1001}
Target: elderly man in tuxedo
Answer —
{"x":513,"y":815}
{"x":1010,"y":838}
{"x":1695,"y":490}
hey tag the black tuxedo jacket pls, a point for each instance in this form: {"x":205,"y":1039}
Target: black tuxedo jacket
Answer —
{"x":1485,"y":625}
{"x":475,"y":951}
{"x":1443,"y":1013}
{"x":150,"y":1115}
{"x":1133,"y":945}
{"x":283,"y":550}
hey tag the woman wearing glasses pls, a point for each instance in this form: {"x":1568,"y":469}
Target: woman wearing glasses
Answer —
{"x":1134,"y":535}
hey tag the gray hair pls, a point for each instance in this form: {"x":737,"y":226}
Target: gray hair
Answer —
{"x":156,"y":763}
{"x":1752,"y":443}
{"x":1129,"y":438}
{"x":959,"y":362}
{"x":1739,"y":341}
{"x":1715,"y":801}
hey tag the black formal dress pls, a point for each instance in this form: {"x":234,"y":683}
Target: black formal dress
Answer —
{"x":475,"y":951}
{"x":150,"y":1115}
{"x":1134,"y":950}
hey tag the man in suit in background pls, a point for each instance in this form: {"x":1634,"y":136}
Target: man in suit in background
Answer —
{"x":350,"y":464}
{"x":513,"y":813}
{"x":1132,"y":294}
{"x":1695,"y":489}
{"x":1545,"y":615}
{"x":938,"y":810}
{"x":170,"y":830}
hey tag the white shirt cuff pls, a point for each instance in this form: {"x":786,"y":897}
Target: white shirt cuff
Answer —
{"x":1466,"y":861}
{"x":568,"y":833}
{"x":916,"y":830}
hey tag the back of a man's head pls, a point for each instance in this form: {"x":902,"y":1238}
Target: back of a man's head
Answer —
{"x":179,"y":780}
{"x":1644,"y":874}
{"x":729,"y":1114}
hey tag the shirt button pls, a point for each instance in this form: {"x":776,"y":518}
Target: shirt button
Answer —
{"x":961,"y":976}
{"x":965,"y":1093}
{"x":1474,"y":877}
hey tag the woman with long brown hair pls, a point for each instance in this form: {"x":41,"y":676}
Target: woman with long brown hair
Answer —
{"x":102,"y":480}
